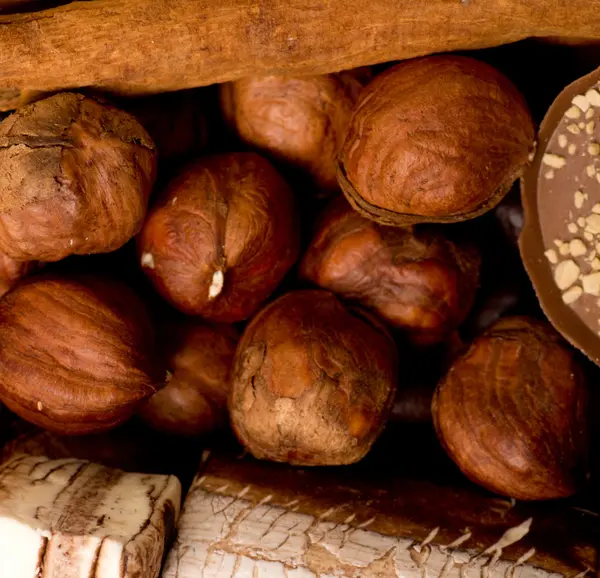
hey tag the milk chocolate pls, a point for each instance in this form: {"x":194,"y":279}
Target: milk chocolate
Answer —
{"x":560,"y":242}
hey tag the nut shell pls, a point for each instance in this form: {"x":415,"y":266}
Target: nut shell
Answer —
{"x":300,"y":121}
{"x":194,"y":400}
{"x":76,"y":176}
{"x":511,"y":412}
{"x":77,"y":354}
{"x":436,"y":139}
{"x":312,"y":381}
{"x":222,"y":237}
{"x":11,"y":272}
{"x":414,"y":278}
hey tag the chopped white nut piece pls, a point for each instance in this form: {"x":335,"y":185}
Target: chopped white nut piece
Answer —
{"x":581,"y":222}
{"x":589,"y":114}
{"x":595,"y":264}
{"x":566,"y":273}
{"x":148,"y":260}
{"x":590,"y":170}
{"x":581,"y":125}
{"x":590,"y":127}
{"x":562,"y":141}
{"x":588,"y":236}
{"x":578,"y":199}
{"x":590,"y":256}
{"x":571,"y":295}
{"x":554,"y":161}
{"x":593,"y":97}
{"x":577,"y":248}
{"x":591,"y":283}
{"x":572,"y":228}
{"x":594,"y":149}
{"x":573,"y":129}
{"x":598,"y":177}
{"x":593,"y":223}
{"x":551,"y":256}
{"x":581,"y":102}
{"x":564,"y":249}
{"x":549,"y":174}
{"x":72,"y":518}
{"x":558,"y":243}
{"x":572,"y":149}
{"x":573,"y":112}
{"x":217,"y":284}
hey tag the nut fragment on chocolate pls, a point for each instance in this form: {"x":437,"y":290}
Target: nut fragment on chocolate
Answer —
{"x":560,"y":244}
{"x":72,"y":518}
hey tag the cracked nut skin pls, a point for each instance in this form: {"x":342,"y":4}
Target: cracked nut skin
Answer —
{"x":194,"y":399}
{"x":11,"y":272}
{"x":313,"y":381}
{"x":511,"y":412}
{"x":300,"y":121}
{"x":222,"y":237}
{"x":76,"y":176}
{"x":77,"y":354}
{"x":413,"y":277}
{"x":435,"y":139}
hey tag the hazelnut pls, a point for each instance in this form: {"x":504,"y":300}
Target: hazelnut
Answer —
{"x":300,"y":121}
{"x":511,"y":412}
{"x":194,"y":399}
{"x":222,"y":237}
{"x":312,"y":381}
{"x":436,"y":139}
{"x":11,"y":272}
{"x":77,"y":354}
{"x":175,"y":121}
{"x":76,"y":176}
{"x":412,"y":277}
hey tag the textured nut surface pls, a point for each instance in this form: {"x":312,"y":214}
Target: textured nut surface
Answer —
{"x":439,"y":138}
{"x":75,"y":178}
{"x":12,"y":271}
{"x":511,"y":412}
{"x":77,"y":354}
{"x":413,"y":277}
{"x":229,"y":215}
{"x":301,"y":121}
{"x":194,"y":399}
{"x":312,"y":381}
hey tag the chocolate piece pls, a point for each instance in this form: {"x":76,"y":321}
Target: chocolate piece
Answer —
{"x":560,"y":243}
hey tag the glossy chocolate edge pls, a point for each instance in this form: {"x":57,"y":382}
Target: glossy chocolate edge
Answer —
{"x":531,"y":243}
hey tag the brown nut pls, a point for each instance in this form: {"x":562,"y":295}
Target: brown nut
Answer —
{"x":222,"y":237}
{"x":194,"y":400}
{"x":11,"y":272}
{"x":312,"y":381}
{"x":412,"y":277}
{"x":511,"y":412}
{"x":77,"y":354}
{"x":436,"y":139}
{"x":76,"y":176}
{"x":300,"y":121}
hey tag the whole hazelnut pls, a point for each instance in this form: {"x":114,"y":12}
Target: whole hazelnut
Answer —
{"x":312,"y":381}
{"x":221,"y":237}
{"x":436,"y":139}
{"x":11,"y":272}
{"x":511,"y":412}
{"x":76,"y":176}
{"x":194,"y":400}
{"x":414,"y":278}
{"x":300,"y":121}
{"x":77,"y":354}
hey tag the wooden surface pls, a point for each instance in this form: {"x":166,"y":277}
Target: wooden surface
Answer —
{"x":248,"y":518}
{"x":143,"y":46}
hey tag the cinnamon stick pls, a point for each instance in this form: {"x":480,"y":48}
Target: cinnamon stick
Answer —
{"x":146,"y":46}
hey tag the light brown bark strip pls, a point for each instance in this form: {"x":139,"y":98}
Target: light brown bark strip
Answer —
{"x":144,"y":46}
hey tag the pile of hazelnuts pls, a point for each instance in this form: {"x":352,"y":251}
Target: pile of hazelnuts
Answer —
{"x":297,"y":333}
